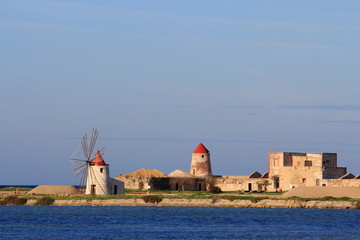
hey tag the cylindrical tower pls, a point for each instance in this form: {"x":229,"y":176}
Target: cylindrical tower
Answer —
{"x":200,"y":163}
{"x":98,"y":178}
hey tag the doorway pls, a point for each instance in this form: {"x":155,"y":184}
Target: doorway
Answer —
{"x":93,"y":190}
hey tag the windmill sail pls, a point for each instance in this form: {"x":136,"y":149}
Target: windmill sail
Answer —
{"x":81,"y":165}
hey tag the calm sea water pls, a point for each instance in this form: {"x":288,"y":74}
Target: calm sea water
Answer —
{"x":52,"y":222}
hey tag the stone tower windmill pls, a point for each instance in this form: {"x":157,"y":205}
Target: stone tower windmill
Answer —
{"x":200,"y":163}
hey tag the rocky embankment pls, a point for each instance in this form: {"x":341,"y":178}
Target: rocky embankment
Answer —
{"x":266,"y":203}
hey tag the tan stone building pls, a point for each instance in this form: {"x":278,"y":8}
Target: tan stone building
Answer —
{"x":305,"y":169}
{"x":290,"y":170}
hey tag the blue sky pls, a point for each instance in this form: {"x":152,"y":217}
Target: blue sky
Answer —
{"x":158,"y":77}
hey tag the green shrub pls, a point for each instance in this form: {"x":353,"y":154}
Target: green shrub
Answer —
{"x":215,"y":190}
{"x":230,"y":198}
{"x":20,"y":201}
{"x":45,"y":201}
{"x":328,"y":198}
{"x":344,"y":199}
{"x":256,"y":199}
{"x":151,"y":199}
{"x":294,"y":198}
{"x":13,"y":200}
{"x":10,"y":200}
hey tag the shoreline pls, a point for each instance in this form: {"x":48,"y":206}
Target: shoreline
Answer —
{"x":266,"y":203}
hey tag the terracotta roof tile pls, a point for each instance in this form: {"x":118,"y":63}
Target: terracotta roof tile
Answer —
{"x":201,"y":149}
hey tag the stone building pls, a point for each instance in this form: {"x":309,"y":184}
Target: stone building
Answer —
{"x":307,"y":169}
{"x":291,"y":169}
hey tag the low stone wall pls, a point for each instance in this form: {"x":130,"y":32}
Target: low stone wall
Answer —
{"x":266,"y":203}
{"x":341,"y":182}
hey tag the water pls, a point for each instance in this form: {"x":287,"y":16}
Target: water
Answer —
{"x":53,"y":222}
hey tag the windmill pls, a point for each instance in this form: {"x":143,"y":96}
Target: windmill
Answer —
{"x":93,"y":172}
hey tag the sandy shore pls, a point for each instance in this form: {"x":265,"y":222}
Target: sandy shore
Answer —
{"x":266,"y":203}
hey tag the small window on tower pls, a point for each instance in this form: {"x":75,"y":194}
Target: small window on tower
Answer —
{"x":202,"y":156}
{"x":101,"y":170}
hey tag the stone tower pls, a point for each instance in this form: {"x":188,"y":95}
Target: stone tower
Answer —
{"x":98,"y":179}
{"x":200,"y":163}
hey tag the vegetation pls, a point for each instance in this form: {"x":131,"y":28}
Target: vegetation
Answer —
{"x":15,"y":189}
{"x":276,"y":181}
{"x":45,"y":201}
{"x":265,"y":183}
{"x":13,"y":200}
{"x":157,"y":196}
{"x":211,"y":185}
{"x":152,"y":198}
{"x":141,"y":186}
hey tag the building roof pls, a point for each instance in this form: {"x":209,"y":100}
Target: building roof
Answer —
{"x":179,"y":173}
{"x":201,"y":149}
{"x":145,"y":173}
{"x":98,"y":160}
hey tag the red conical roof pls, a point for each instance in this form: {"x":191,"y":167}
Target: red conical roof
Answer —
{"x":98,"y":160}
{"x":201,"y":149}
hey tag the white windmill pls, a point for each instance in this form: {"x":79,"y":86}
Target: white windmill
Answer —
{"x":94,"y":172}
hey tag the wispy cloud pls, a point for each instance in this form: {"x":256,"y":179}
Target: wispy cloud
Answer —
{"x":221,"y":107}
{"x":322,"y":107}
{"x":213,"y":140}
{"x":296,"y":45}
{"x":179,"y":106}
{"x":341,"y":121}
{"x":242,"y":106}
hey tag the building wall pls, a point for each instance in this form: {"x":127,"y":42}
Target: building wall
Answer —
{"x":136,"y":183}
{"x":98,"y":180}
{"x":341,"y":182}
{"x":303,"y":169}
{"x":118,"y":185}
{"x":187,"y":184}
{"x":240,"y":183}
{"x":200,"y":165}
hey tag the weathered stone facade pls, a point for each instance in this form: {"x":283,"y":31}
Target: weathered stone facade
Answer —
{"x":304,"y":169}
{"x":286,"y":170}
{"x":200,"y":162}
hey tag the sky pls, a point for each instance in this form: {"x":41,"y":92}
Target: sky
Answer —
{"x":156,"y":78}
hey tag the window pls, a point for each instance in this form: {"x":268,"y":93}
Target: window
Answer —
{"x":308,"y":163}
{"x":101,"y":170}
{"x":202,"y":156}
{"x":304,"y":180}
{"x":276,"y":162}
